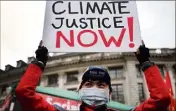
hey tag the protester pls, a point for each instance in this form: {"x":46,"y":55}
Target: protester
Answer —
{"x":95,"y":89}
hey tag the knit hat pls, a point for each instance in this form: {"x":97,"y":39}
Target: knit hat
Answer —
{"x":96,"y":73}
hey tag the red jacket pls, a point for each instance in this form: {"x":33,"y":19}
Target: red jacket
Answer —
{"x":30,"y":101}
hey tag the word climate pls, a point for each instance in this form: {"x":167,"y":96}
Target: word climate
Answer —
{"x":89,"y":13}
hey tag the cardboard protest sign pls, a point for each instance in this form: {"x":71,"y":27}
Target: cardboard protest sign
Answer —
{"x":91,"y":26}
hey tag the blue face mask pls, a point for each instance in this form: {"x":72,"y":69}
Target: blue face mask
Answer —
{"x":94,"y":96}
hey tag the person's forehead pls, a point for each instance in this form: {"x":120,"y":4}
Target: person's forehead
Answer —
{"x":96,"y":81}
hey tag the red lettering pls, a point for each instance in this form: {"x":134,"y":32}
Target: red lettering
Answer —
{"x":90,"y":44}
{"x":130,"y":27}
{"x":118,"y":42}
{"x":107,"y":42}
{"x":59,"y":35}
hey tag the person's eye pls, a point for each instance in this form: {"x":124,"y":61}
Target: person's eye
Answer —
{"x":88,"y":84}
{"x":101,"y":85}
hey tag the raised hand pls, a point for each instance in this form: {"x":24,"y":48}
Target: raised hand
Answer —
{"x":42,"y":54}
{"x":142,"y":54}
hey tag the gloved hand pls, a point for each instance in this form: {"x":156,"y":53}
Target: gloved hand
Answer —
{"x":142,"y":54}
{"x":42,"y":54}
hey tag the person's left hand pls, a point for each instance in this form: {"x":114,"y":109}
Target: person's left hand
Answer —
{"x":142,"y":54}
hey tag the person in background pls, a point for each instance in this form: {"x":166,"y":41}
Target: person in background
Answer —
{"x":95,"y":89}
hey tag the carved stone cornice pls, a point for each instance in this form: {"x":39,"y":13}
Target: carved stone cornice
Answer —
{"x":82,"y":58}
{"x":95,"y":57}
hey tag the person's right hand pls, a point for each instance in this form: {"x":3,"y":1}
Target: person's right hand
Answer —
{"x":42,"y":54}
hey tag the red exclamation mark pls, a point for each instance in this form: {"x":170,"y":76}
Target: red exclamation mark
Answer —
{"x":130,"y":27}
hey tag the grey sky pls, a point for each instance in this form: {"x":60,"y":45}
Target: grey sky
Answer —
{"x":22,"y":26}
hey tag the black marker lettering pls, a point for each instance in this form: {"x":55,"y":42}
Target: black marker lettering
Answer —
{"x":61,"y":23}
{"x":54,"y":8}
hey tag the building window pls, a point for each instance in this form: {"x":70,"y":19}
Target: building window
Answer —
{"x":141,"y":92}
{"x":72,"y":76}
{"x":4,"y":90}
{"x":161,"y":68}
{"x":139,"y":71}
{"x":53,"y":80}
{"x":118,"y":93}
{"x":116,"y":72}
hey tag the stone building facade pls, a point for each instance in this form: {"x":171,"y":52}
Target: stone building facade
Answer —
{"x":65,"y":71}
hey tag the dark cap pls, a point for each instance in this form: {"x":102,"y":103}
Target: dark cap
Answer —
{"x":96,"y":73}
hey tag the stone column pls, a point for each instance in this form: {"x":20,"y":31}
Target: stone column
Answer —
{"x":61,"y":80}
{"x":80,"y":74}
{"x":126,"y":87}
{"x":132,"y":82}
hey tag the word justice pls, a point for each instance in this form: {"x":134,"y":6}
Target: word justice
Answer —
{"x":82,"y":23}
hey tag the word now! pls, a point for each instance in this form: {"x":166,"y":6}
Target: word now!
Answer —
{"x":107,"y":43}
